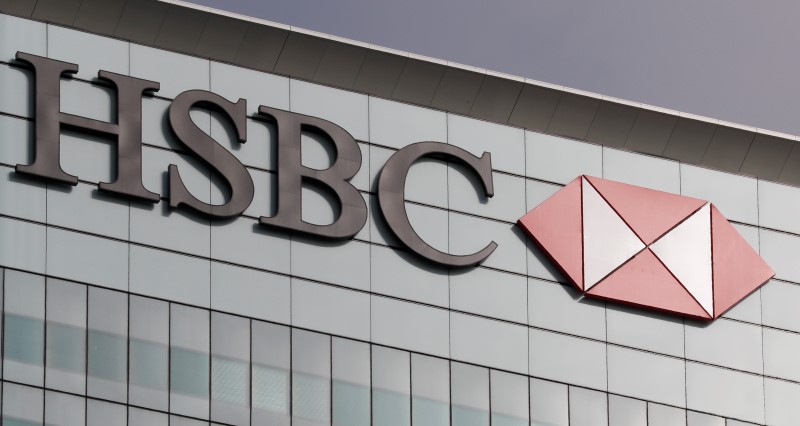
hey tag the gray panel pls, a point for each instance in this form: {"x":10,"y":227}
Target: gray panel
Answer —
{"x":509,"y":399}
{"x":466,"y":195}
{"x":301,"y":55}
{"x":221,"y":38}
{"x":391,"y":387}
{"x":107,"y":356}
{"x":245,"y":291}
{"x":65,"y":343}
{"x":469,"y":234}
{"x":176,"y":73}
{"x":645,"y":330}
{"x":169,"y":276}
{"x":701,"y":419}
{"x":648,"y":376}
{"x":230,"y":369}
{"x":99,"y":16}
{"x":587,"y":407}
{"x":148,"y":356}
{"x":689,"y":140}
{"x":469,"y":394}
{"x":99,"y":413}
{"x":562,"y":308}
{"x":457,"y":90}
{"x":340,"y":65}
{"x":379,"y":73}
{"x":396,"y":125}
{"x":781,"y":402}
{"x":23,"y":334}
{"x":350,"y":370}
{"x":400,"y":274}
{"x":347,"y":110}
{"x":189,"y":369}
{"x":766,"y":157}
{"x":568,"y":359}
{"x":727,"y":149}
{"x":636,"y":169}
{"x":28,"y":36}
{"x":560,"y":160}
{"x":312,"y":309}
{"x":482,"y":341}
{"x":573,"y":116}
{"x":661,"y":415}
{"x":430,"y":391}
{"x":779,"y":305}
{"x":261,"y":47}
{"x":736,"y":197}
{"x":549,"y":402}
{"x":650,"y":132}
{"x":270,"y":383}
{"x":612,"y":124}
{"x":16,"y":84}
{"x":243,"y":241}
{"x":537,"y":192}
{"x":23,"y":245}
{"x":780,"y":250}
{"x":626,"y":411}
{"x":181,"y":29}
{"x":141,"y":20}
{"x":17,"y":7}
{"x":22,"y":197}
{"x":506,"y":144}
{"x":423,"y":328}
{"x":491,"y":293}
{"x":64,"y":410}
{"x":163,"y":226}
{"x":496,"y":99}
{"x":58,"y":11}
{"x":81,"y":206}
{"x":418,"y":82}
{"x":139,"y":417}
{"x":791,"y":169}
{"x":724,"y":392}
{"x":534,"y":108}
{"x":92,"y":54}
{"x":781,"y":351}
{"x":311,"y":375}
{"x":331,"y":262}
{"x":712,"y":343}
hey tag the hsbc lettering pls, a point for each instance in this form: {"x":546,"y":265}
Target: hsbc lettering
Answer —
{"x":291,"y":173}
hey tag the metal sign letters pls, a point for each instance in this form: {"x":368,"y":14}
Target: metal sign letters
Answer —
{"x":127,"y":132}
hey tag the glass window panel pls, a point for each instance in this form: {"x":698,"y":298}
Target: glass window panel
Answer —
{"x":183,"y":421}
{"x":108,"y":344}
{"x":549,"y":405}
{"x":391,"y":387}
{"x":230,"y":369}
{"x":24,"y":328}
{"x":430,"y":390}
{"x":149,"y":338}
{"x":22,"y":405}
{"x":351,"y":382}
{"x":100,"y":413}
{"x":311,"y":378}
{"x":270,"y":377}
{"x":509,"y":393}
{"x":470,"y":395}
{"x":139,"y":417}
{"x":61,"y":409}
{"x":189,"y":361}
{"x":66,"y":336}
{"x":2,"y":277}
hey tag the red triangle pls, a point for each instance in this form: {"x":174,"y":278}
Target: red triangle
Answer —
{"x":557,"y":227}
{"x":644,"y":281}
{"x":738,"y":269}
{"x":648,"y":212}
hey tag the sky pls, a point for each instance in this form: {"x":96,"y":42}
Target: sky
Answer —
{"x":735,"y":60}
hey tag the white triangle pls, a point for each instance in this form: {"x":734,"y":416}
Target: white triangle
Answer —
{"x":686,"y":251}
{"x":608,"y":242}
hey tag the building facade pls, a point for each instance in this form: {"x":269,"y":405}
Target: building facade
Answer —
{"x":123,"y":310}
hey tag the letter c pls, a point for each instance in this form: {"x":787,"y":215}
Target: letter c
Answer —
{"x":391,"y":197}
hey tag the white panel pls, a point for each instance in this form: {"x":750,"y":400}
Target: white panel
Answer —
{"x":686,"y":251}
{"x":607,"y":241}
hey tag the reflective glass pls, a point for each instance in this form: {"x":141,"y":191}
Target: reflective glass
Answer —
{"x":100,"y":413}
{"x":470,"y":395}
{"x":430,"y":391}
{"x":311,"y":378}
{"x":66,"y":336}
{"x":391,"y":387}
{"x":149,"y":337}
{"x":351,"y":382}
{"x":270,"y":377}
{"x":22,"y":405}
{"x":189,"y":361}
{"x":24,"y":328}
{"x":230,"y":369}
{"x":139,"y":417}
{"x":108,"y":344}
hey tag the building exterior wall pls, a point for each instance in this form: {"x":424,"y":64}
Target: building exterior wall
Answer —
{"x":178,"y":317}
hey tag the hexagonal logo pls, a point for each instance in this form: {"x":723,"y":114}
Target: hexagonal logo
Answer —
{"x":646,"y":248}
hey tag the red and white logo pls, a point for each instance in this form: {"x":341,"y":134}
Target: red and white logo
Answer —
{"x":647,"y":248}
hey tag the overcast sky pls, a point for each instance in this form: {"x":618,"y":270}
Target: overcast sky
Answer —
{"x":737,"y":60}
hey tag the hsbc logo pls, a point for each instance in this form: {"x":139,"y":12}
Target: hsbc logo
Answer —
{"x":646,"y":248}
